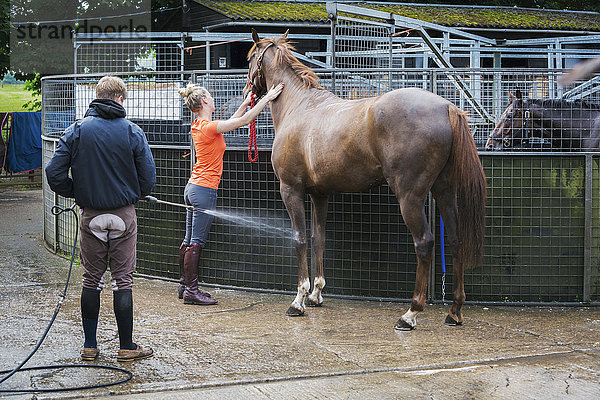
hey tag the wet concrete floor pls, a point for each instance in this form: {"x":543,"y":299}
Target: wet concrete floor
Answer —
{"x":246,"y":348}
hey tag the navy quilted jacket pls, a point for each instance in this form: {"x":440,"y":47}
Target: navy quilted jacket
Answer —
{"x":109,"y":157}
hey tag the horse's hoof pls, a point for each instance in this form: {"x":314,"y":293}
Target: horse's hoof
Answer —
{"x":294,"y":312}
{"x":402,"y":325}
{"x":310,"y":303}
{"x":451,"y":321}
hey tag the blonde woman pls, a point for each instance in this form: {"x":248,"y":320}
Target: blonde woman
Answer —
{"x":201,"y":189}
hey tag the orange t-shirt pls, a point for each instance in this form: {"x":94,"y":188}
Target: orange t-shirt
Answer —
{"x":210,"y":147}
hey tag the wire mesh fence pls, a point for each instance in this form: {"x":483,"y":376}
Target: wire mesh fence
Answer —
{"x":536,"y":227}
{"x":543,"y":210}
{"x":59,"y":231}
{"x":371,"y":51}
{"x":103,"y":54}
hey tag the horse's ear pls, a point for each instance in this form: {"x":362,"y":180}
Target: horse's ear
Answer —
{"x":518,"y":95}
{"x":284,"y":36}
{"x":255,"y":36}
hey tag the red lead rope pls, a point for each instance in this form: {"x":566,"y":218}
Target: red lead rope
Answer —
{"x":252,"y":141}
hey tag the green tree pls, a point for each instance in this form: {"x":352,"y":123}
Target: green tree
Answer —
{"x":34,"y":85}
{"x":4,"y":36}
{"x":29,"y":56}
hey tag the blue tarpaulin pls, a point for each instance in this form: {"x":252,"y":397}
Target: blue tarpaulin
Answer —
{"x":24,"y":151}
{"x":4,"y":118}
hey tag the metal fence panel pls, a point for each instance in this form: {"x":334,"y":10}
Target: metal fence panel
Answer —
{"x":535,"y":236}
{"x":59,"y":231}
{"x":543,"y":209}
{"x":50,"y":198}
{"x":160,"y":227}
{"x":105,"y":55}
{"x":361,"y":44}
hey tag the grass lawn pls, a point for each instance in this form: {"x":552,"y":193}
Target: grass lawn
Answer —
{"x":12,"y":98}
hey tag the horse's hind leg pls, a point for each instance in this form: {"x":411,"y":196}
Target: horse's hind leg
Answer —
{"x":319,"y":221}
{"x":294,"y":203}
{"x":446,"y":203}
{"x":413,"y":213}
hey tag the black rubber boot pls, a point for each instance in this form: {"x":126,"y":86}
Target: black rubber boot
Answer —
{"x":123,"y":305}
{"x":90,"y":308}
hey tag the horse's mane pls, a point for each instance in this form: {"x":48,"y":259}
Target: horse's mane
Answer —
{"x":562,"y":103}
{"x":284,"y":56}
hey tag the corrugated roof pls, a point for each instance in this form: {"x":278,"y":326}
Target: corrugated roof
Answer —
{"x":475,"y":17}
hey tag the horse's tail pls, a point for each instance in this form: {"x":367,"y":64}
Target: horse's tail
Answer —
{"x":470,"y":187}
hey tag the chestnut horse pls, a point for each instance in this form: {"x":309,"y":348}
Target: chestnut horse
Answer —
{"x":411,"y":139}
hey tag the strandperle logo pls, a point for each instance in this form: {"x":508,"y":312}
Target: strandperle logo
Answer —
{"x":42,"y":32}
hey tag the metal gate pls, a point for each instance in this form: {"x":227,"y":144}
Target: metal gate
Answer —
{"x":128,"y":52}
{"x":369,"y":38}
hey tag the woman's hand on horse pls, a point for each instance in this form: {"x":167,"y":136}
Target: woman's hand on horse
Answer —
{"x":247,"y":100}
{"x":237,"y":122}
{"x":274,"y":92}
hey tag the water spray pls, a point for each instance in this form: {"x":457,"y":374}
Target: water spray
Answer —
{"x":236,"y":219}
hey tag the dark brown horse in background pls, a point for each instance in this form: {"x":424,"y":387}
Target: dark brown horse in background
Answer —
{"x":567,"y":125}
{"x":412,"y":139}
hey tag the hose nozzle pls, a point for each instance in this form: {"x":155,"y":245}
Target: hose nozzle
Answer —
{"x":153,"y":199}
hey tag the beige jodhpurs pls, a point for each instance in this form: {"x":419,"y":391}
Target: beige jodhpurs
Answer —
{"x":108,"y":239}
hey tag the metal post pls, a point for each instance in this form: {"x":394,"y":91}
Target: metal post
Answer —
{"x":207,"y":55}
{"x":554,"y":89}
{"x":550,"y":56}
{"x":587,"y":251}
{"x":329,"y":51}
{"x":76,"y":46}
{"x":497,"y":88}
{"x":332,"y":14}
{"x":333,"y":55}
{"x":476,"y":65}
{"x":392,"y":29}
{"x":558,"y":55}
{"x":182,"y":52}
{"x":446,"y":45}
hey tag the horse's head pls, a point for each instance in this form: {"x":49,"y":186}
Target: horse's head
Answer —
{"x":256,"y":81}
{"x":514,"y":126}
{"x":271,"y":60}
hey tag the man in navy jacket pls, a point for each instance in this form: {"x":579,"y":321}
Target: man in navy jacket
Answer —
{"x":111,"y":168}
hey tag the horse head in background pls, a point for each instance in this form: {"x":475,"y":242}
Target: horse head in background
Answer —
{"x":411,"y":139}
{"x":566,"y":125}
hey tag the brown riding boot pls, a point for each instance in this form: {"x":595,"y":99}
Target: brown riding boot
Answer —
{"x":182,"y":249}
{"x":192,"y":295}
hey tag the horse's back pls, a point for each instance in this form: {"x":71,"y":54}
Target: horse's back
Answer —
{"x":412,"y":123}
{"x":410,"y":104}
{"x":404,"y":131}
